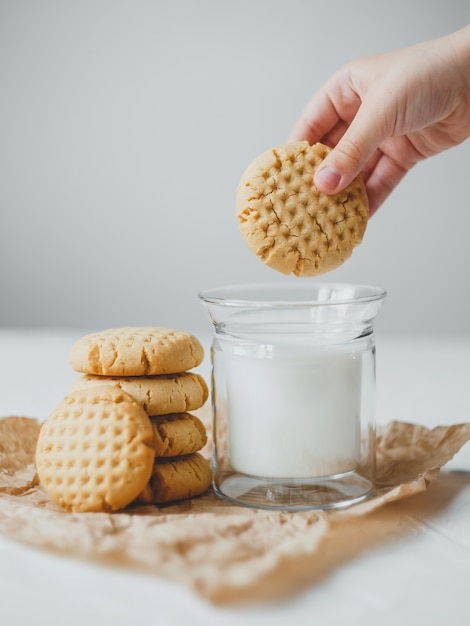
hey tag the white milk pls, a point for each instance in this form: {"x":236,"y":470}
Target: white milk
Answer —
{"x":294,"y":412}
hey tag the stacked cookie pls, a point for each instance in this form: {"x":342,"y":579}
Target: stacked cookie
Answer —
{"x":124,"y":433}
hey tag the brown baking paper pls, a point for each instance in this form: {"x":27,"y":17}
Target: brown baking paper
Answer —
{"x":225,"y":553}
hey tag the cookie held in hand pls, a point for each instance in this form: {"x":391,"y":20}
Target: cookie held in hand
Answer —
{"x":291,"y":225}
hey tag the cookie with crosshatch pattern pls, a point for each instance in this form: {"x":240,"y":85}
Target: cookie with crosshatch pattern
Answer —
{"x":96,"y":450}
{"x":136,"y":351}
{"x":288,"y":222}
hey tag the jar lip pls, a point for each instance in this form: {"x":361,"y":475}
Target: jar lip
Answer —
{"x":317,"y":294}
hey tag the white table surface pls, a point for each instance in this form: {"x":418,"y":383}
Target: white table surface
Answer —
{"x":423,"y":579}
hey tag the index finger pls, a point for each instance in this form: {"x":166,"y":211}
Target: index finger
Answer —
{"x":317,"y":119}
{"x":334,"y":105}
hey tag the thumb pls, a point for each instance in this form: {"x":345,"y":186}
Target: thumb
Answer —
{"x":351,"y":153}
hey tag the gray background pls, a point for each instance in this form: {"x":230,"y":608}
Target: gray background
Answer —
{"x":125,"y":127}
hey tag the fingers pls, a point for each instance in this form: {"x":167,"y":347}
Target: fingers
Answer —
{"x":312,"y":129}
{"x":353,"y":150}
{"x":337,"y":116}
{"x":382,"y":181}
{"x":334,"y":105}
{"x":381,"y":175}
{"x":356,"y":121}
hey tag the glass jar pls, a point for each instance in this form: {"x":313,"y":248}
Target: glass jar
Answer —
{"x":293,"y":393}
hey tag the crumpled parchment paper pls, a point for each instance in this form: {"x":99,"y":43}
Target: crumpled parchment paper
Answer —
{"x":225,"y":553}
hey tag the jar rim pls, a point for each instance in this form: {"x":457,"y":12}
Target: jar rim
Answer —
{"x":267,"y":295}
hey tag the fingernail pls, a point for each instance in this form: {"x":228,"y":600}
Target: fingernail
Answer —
{"x":327,"y":178}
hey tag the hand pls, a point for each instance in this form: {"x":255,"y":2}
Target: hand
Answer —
{"x":382,"y":114}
